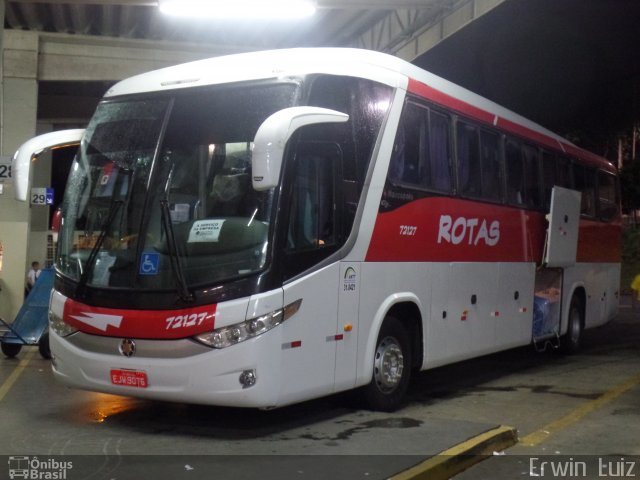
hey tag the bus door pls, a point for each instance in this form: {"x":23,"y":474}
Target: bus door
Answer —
{"x":561,"y":245}
{"x":313,"y":234}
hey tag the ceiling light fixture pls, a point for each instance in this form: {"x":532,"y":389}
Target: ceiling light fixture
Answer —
{"x":266,"y":9}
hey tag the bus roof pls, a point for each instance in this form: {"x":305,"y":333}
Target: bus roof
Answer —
{"x":381,"y":67}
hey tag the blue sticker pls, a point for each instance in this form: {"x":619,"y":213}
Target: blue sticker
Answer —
{"x":149,"y":263}
{"x":48,"y":196}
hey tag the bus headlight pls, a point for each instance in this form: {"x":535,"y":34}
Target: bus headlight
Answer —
{"x":233,"y":334}
{"x":58,"y":325}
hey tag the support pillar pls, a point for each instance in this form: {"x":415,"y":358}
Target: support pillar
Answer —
{"x":19,"y":98}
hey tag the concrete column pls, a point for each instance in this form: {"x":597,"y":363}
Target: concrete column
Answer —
{"x":19,"y":97}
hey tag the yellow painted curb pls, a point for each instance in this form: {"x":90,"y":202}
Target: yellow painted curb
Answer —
{"x":458,"y":458}
{"x":572,"y":417}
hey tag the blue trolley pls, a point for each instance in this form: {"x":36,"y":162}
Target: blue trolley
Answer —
{"x":30,"y":326}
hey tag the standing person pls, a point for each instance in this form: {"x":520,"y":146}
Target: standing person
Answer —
{"x":32,"y":275}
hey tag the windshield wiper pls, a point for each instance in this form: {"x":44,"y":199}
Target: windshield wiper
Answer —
{"x":176,"y":266}
{"x":88,"y":266}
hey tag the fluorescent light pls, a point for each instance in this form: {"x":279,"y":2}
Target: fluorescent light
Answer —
{"x":272,"y":9}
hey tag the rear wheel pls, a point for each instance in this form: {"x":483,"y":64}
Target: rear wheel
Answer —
{"x":43,"y":346}
{"x":391,"y":367}
{"x":11,"y":349}
{"x":571,"y":341}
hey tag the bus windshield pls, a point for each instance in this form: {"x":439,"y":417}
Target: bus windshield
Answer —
{"x":160,"y":190}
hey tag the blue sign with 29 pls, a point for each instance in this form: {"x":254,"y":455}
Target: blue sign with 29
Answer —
{"x":42,"y":196}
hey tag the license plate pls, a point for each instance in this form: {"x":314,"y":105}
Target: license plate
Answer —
{"x":129,"y":378}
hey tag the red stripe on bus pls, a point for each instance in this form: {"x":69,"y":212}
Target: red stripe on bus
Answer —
{"x":425,"y":91}
{"x":456,"y":230}
{"x":152,"y":324}
{"x":591,"y":158}
{"x":529,"y":133}
{"x":444,"y":99}
{"x":477,"y":232}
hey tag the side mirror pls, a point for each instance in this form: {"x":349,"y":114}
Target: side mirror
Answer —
{"x":273,"y":135}
{"x":31,"y":149}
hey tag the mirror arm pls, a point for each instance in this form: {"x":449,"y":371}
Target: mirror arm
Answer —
{"x":29,"y":151}
{"x":273,"y":135}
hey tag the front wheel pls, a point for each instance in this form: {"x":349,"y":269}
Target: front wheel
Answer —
{"x":571,"y":341}
{"x":391,"y":367}
{"x":43,"y":346}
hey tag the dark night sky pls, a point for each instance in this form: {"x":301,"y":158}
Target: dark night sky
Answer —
{"x":570,"y":65}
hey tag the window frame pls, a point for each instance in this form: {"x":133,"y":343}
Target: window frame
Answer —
{"x":427,"y":110}
{"x":616,"y":197}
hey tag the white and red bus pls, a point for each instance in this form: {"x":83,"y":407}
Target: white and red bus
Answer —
{"x":260,"y":229}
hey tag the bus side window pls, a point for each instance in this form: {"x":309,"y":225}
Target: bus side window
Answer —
{"x":468,"y":156}
{"x":584,"y":182}
{"x":564,"y":172}
{"x":439,"y":154}
{"x":491,"y":167}
{"x":405,"y":162}
{"x":515,"y":174}
{"x":532,"y":176}
{"x":421,"y":156}
{"x":607,"y":197}
{"x":549,"y":176}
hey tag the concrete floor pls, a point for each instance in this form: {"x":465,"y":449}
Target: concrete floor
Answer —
{"x":109,"y":437}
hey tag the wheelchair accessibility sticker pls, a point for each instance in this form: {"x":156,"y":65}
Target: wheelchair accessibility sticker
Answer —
{"x":149,"y":264}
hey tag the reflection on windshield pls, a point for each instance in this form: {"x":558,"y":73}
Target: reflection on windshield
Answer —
{"x":191,"y":153}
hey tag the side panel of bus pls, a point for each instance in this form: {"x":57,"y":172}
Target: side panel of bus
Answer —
{"x":476,"y":295}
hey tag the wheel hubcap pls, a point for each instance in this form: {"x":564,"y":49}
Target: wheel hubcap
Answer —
{"x":388,"y":365}
{"x":575,"y":327}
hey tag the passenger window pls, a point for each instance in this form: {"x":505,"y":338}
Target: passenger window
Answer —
{"x":563,"y":169}
{"x":549,"y":176}
{"x":491,"y":168}
{"x":439,"y":155}
{"x":410,"y":139}
{"x":584,"y":182}
{"x":607,"y":197}
{"x":531,"y":176}
{"x":468,"y":155}
{"x":421,"y":155}
{"x":523,"y":174}
{"x":515,"y":174}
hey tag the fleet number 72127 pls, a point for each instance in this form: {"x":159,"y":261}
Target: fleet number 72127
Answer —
{"x":408,"y":230}
{"x":185,"y":321}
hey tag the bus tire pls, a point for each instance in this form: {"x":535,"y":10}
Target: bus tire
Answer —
{"x":43,"y":346}
{"x":391,"y":367}
{"x":571,"y":341}
{"x":11,"y":349}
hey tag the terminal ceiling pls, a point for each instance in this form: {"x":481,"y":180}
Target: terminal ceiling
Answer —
{"x":570,"y":65}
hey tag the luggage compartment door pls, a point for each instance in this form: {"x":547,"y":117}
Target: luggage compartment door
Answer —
{"x":561,"y":243}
